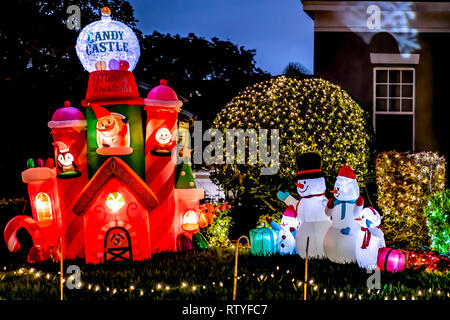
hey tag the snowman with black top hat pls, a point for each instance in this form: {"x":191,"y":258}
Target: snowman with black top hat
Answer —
{"x":310,"y":207}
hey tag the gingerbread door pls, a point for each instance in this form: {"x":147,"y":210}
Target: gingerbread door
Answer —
{"x":117,"y":245}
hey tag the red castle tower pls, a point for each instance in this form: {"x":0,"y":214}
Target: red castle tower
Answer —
{"x":92,"y":197}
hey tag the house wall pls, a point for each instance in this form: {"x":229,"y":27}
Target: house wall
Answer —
{"x":343,"y":43}
{"x":344,"y":58}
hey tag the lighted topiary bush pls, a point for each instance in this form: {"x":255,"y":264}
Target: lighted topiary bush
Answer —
{"x":311,"y":115}
{"x":405,"y":180}
{"x":437,"y":213}
{"x":217,"y":232}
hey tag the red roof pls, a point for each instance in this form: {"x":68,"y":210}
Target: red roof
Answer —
{"x":117,"y":168}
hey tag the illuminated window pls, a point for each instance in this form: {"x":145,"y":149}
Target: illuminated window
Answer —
{"x":43,"y":207}
{"x":115,"y":201}
{"x":190,"y":220}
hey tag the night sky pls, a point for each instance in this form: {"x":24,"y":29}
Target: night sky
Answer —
{"x":279,"y":30}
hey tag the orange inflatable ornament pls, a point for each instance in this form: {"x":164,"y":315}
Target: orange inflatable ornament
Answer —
{"x":207,"y":212}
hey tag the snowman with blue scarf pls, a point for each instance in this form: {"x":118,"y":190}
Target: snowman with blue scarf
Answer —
{"x":344,"y":208}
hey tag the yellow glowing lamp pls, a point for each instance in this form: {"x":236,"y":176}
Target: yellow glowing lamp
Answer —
{"x":115,"y":201}
{"x":190,"y":220}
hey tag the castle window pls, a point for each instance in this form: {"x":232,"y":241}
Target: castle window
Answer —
{"x":190,"y":220}
{"x":43,"y":207}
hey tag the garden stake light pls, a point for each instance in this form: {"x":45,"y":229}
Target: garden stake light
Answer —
{"x":306,"y":270}
{"x":61,"y":268}
{"x":236,"y":263}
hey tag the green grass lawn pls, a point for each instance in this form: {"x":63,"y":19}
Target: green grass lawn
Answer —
{"x":208,"y":275}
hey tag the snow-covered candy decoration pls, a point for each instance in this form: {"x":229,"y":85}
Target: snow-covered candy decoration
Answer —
{"x":369,"y":239}
{"x":100,"y":65}
{"x":105,"y":40}
{"x":114,"y":64}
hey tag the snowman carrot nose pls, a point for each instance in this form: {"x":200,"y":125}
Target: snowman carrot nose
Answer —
{"x":334,"y":191}
{"x":300,"y":185}
{"x":358,"y":219}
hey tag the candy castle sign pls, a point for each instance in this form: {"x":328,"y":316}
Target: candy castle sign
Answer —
{"x":102,"y":44}
{"x":103,"y":41}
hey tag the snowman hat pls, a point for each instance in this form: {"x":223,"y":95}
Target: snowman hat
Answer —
{"x":99,"y":111}
{"x":290,"y":212}
{"x":347,"y":172}
{"x":62,"y":147}
{"x":309,"y":166}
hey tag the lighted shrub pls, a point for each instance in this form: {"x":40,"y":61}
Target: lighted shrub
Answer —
{"x":311,"y":115}
{"x":217,"y":232}
{"x":437,"y":213}
{"x":404,"y":180}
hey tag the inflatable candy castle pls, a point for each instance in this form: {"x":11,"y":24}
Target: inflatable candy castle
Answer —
{"x":110,"y":192}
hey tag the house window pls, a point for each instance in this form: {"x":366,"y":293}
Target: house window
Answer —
{"x":394,"y":105}
{"x":43,"y":207}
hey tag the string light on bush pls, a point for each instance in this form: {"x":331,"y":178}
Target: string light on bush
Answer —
{"x":405,"y":180}
{"x":311,"y":115}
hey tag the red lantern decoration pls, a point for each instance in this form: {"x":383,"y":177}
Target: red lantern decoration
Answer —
{"x":392,"y":260}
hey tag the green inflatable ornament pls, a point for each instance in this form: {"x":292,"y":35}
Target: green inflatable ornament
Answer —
{"x":30,"y":163}
{"x":199,"y":241}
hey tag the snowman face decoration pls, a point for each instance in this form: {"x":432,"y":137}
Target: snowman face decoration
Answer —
{"x":163,"y":136}
{"x":314,"y":186}
{"x":302,"y":186}
{"x":289,"y":222}
{"x":369,"y":218}
{"x":346,"y":189}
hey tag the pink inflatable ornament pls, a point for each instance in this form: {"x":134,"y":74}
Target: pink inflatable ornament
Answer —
{"x":100,"y":65}
{"x":39,"y":163}
{"x":392,"y":260}
{"x":114,"y":64}
{"x":124,"y":65}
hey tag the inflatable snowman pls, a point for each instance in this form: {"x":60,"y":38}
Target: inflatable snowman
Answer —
{"x":310,"y":207}
{"x":339,"y":242}
{"x":286,"y":231}
{"x":369,"y":239}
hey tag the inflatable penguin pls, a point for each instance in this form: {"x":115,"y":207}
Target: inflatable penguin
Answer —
{"x":369,"y":239}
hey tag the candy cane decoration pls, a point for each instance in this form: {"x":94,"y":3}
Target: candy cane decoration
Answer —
{"x":28,"y":224}
{"x":236,"y":264}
